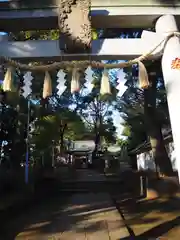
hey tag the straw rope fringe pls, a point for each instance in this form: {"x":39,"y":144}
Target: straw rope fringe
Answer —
{"x":75,"y":82}
{"x":143,"y":76}
{"x":85,"y":64}
{"x":47,"y":86}
{"x":8,"y":81}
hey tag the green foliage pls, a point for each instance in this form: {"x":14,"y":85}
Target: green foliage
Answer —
{"x":131,"y":107}
{"x":96,"y":110}
{"x":53,"y":120}
{"x":49,"y":128}
{"x":35,"y":35}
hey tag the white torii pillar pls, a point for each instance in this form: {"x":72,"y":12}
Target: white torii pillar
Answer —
{"x":3,"y":38}
{"x":167,"y":24}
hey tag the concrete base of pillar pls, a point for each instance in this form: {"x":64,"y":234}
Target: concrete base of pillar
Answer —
{"x":151,"y":194}
{"x":165,"y":187}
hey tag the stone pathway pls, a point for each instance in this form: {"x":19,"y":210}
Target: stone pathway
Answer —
{"x":86,"y":216}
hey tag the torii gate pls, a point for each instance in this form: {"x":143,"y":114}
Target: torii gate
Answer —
{"x":107,"y":14}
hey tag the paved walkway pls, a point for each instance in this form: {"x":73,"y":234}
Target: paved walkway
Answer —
{"x":86,"y":216}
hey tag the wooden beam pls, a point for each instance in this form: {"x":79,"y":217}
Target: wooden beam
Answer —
{"x":107,"y":49}
{"x":130,"y":17}
{"x":26,"y":4}
{"x":22,"y":20}
{"x":16,"y":15}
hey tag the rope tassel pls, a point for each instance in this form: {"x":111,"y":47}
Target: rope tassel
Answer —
{"x":105,"y":83}
{"x":8,"y":80}
{"x":143,"y":76}
{"x":75,"y":83}
{"x":47,"y":87}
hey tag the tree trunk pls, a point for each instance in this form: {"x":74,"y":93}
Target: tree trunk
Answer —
{"x":97,"y":139}
{"x":153,"y":126}
{"x":16,"y":154}
{"x":159,"y":151}
{"x":96,"y":142}
{"x":62,"y":138}
{"x":75,"y":26}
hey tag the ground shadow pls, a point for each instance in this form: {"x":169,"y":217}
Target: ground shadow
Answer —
{"x":158,"y":216}
{"x":173,"y":3}
{"x":148,"y":218}
{"x":59,"y":214}
{"x":57,"y":217}
{"x":161,"y":229}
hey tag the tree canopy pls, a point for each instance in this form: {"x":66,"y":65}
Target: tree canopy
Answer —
{"x":86,"y":114}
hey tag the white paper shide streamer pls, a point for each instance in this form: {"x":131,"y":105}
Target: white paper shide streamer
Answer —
{"x":61,"y":82}
{"x":105,"y":83}
{"x":75,"y":83}
{"x":118,"y":87}
{"x":27,"y":84}
{"x":89,"y":77}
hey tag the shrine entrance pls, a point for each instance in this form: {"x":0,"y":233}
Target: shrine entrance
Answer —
{"x":65,"y":65}
{"x":74,"y":53}
{"x":81,"y":153}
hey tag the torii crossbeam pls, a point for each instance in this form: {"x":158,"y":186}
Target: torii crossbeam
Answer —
{"x":34,"y":15}
{"x":110,"y":49}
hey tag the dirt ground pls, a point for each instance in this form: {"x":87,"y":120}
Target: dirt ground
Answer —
{"x":88,"y":215}
{"x":152,"y":218}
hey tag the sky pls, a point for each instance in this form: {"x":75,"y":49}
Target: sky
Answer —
{"x":112,"y":75}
